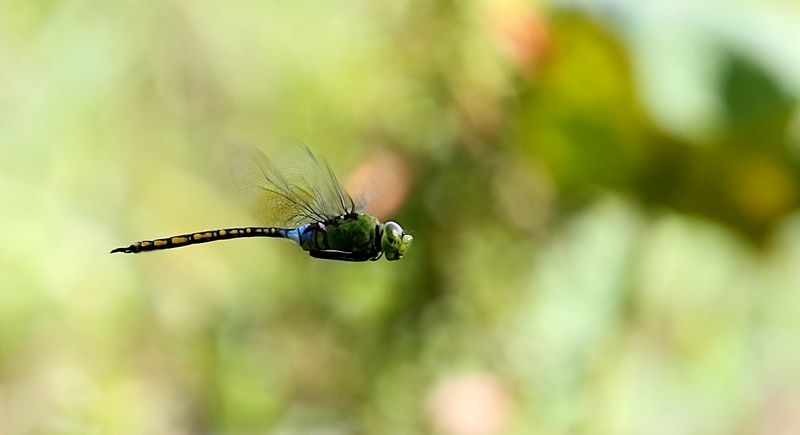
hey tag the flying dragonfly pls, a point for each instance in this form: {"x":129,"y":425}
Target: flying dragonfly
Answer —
{"x":301,"y":201}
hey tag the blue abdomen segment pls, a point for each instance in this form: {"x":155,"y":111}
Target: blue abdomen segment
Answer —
{"x":302,"y":236}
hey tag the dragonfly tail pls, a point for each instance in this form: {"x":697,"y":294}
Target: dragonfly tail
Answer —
{"x":201,"y":237}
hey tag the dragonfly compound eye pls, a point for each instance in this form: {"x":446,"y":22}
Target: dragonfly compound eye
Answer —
{"x":394,"y":241}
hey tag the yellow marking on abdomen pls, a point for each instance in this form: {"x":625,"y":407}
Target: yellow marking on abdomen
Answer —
{"x":247,"y":230}
{"x":158,"y":243}
{"x":222,"y":232}
{"x":179,"y":240}
{"x":234,"y":232}
{"x":144,"y":244}
{"x":200,"y":236}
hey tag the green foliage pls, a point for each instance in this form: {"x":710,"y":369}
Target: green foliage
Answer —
{"x":578,"y":265}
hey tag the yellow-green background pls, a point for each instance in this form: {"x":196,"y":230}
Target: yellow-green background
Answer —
{"x":603,"y":196}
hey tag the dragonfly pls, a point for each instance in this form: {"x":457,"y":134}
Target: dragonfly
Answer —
{"x":300,"y":200}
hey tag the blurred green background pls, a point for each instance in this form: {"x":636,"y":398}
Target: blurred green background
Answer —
{"x":603,"y":194}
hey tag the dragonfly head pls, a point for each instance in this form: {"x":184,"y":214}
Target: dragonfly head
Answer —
{"x":394,"y":242}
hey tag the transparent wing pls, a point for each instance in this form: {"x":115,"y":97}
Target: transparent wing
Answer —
{"x":297,"y":189}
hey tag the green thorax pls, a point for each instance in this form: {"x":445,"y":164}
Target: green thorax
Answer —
{"x":357,"y":233}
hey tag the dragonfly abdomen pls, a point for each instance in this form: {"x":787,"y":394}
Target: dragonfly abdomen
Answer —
{"x":202,"y":237}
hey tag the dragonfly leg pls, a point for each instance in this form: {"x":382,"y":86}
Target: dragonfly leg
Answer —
{"x":339,"y":255}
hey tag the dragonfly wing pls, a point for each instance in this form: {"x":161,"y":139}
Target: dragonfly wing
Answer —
{"x":315,"y":176}
{"x":298,"y":189}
